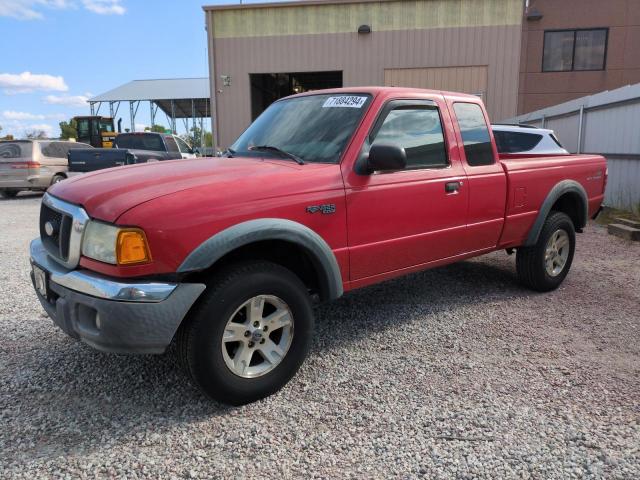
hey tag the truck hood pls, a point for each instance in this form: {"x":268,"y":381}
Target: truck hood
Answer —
{"x":107,"y":194}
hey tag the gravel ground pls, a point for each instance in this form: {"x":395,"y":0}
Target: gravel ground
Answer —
{"x":453,"y":373}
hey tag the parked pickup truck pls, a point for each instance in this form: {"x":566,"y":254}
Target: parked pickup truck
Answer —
{"x":326,"y":192}
{"x":130,"y":148}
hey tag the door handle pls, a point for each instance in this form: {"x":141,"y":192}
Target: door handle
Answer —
{"x":452,"y":187}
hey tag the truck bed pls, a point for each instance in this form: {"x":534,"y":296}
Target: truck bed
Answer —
{"x":531,"y":177}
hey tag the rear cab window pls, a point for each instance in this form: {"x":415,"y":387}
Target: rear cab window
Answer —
{"x":415,"y":126}
{"x":475,"y":134}
{"x":140,"y":141}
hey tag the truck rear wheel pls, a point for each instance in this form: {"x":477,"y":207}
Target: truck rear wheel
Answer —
{"x":249,"y":333}
{"x":545,"y":265}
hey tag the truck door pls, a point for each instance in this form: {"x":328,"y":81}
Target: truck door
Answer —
{"x":486,"y":179}
{"x":402,"y":219}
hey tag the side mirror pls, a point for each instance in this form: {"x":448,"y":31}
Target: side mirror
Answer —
{"x":387,"y":157}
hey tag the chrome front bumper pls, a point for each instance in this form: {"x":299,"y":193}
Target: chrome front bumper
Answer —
{"x":109,"y":314}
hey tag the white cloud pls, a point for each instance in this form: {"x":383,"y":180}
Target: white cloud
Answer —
{"x":19,"y":116}
{"x":68,"y":100}
{"x":26,"y":82}
{"x":104,"y":7}
{"x":27,"y":9}
{"x":11,"y":115}
{"x":48,"y":129}
{"x":140,"y":127}
{"x":19,"y":129}
{"x":32,"y":9}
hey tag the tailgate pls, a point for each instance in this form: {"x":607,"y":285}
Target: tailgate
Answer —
{"x":13,"y":171}
{"x":15,"y":161}
{"x":89,"y":160}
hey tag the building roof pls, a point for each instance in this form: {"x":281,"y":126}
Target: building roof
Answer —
{"x":286,"y":3}
{"x":181,"y":90}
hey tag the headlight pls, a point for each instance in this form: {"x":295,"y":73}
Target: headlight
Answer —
{"x":115,"y":245}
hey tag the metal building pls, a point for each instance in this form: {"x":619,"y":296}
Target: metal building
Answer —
{"x":605,"y":123}
{"x":178,"y":98}
{"x":261,"y":52}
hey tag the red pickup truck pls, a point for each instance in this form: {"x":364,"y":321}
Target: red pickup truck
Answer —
{"x":325,"y":192}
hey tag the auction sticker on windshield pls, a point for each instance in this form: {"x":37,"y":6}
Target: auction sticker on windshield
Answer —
{"x":344,"y":101}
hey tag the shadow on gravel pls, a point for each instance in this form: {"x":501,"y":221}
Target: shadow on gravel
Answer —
{"x":22,"y":196}
{"x":387,"y":305}
{"x":73,"y":398}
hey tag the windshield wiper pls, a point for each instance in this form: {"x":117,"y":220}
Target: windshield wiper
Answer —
{"x":230,"y":152}
{"x":271,"y":148}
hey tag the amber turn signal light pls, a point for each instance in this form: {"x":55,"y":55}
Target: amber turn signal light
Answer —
{"x":132,"y":247}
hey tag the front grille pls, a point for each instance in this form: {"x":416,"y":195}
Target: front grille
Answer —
{"x":57,"y":244}
{"x":61,"y":228}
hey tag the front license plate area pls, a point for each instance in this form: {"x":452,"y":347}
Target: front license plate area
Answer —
{"x":41,"y":281}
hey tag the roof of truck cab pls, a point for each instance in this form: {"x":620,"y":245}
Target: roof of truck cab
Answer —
{"x":373,"y":90}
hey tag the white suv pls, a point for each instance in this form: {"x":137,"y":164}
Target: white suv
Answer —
{"x":519,"y":138}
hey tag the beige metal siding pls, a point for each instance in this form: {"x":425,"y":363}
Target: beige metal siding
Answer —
{"x":382,"y":16}
{"x":456,"y":79}
{"x":363,"y":59}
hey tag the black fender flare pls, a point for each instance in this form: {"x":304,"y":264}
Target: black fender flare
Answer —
{"x":245,"y":233}
{"x":560,"y":189}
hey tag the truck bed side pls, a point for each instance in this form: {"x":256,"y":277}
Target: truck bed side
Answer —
{"x":530,"y":180}
{"x":89,"y":160}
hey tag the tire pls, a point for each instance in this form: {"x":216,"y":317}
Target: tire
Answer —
{"x":209,"y":361}
{"x":57,"y":178}
{"x":534,"y":269}
{"x":9,"y":193}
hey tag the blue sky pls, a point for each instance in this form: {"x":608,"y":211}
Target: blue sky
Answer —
{"x":55,"y":53}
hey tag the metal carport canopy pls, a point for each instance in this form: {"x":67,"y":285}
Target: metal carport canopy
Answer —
{"x":176,"y":97}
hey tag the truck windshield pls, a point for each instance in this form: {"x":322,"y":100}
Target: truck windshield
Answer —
{"x":315,"y":128}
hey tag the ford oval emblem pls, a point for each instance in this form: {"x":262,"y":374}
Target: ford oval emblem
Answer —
{"x":49,"y":228}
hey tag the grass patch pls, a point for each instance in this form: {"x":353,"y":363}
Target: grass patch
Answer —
{"x":609,"y":215}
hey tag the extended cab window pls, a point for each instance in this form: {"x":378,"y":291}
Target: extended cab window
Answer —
{"x":418,"y":130}
{"x":475,"y":134}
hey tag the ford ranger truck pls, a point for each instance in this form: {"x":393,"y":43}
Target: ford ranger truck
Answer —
{"x":326,"y":192}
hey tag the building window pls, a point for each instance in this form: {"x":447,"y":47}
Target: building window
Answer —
{"x":574,"y":50}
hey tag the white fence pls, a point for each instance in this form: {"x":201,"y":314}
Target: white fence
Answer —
{"x":606,"y":123}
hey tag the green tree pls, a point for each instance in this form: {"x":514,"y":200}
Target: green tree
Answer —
{"x":157,"y":128}
{"x":195,"y":135}
{"x":208,"y":139}
{"x":68,"y":129}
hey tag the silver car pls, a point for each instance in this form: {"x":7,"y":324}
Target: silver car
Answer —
{"x":33,"y":164}
{"x":526,"y":139}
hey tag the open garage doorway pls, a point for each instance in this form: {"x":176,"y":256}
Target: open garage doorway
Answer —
{"x":266,"y":88}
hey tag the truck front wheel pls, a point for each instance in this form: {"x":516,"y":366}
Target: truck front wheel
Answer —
{"x":545,"y":265}
{"x":249,"y":333}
